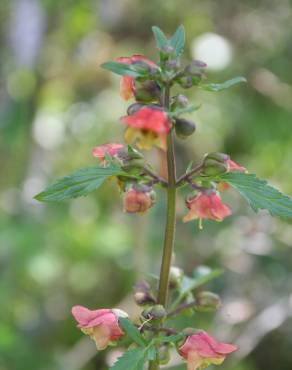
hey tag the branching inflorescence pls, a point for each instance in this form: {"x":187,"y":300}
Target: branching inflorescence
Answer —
{"x":154,"y":120}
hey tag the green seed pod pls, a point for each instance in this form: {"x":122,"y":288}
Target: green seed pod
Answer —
{"x":157,"y":312}
{"x":207,"y":302}
{"x":184,"y":128}
{"x":212,"y":167}
{"x":217,"y":156}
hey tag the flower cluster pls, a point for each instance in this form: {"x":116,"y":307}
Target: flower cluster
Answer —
{"x":155,"y":119}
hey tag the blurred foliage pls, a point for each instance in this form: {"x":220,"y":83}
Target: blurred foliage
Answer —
{"x":56,"y":104}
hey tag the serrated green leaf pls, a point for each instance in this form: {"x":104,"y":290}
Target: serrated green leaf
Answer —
{"x":259,"y":194}
{"x":123,"y":69}
{"x":222,"y":86}
{"x":133,"y":359}
{"x":160,"y":38}
{"x":132,"y":331}
{"x":151,"y":353}
{"x":79,"y":183}
{"x":177,"y":41}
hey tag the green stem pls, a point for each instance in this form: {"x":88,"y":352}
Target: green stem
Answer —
{"x":170,"y":213}
{"x":170,"y":220}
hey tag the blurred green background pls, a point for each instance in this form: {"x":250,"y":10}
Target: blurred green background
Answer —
{"x":56,"y":104}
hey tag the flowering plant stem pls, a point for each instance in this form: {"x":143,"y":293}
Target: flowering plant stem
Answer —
{"x":170,"y":219}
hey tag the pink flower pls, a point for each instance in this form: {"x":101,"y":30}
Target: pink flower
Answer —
{"x":138,"y":201}
{"x":148,"y":126}
{"x":127,"y":84}
{"x":201,"y":350}
{"x":101,"y":325}
{"x":206,"y":205}
{"x":111,"y":149}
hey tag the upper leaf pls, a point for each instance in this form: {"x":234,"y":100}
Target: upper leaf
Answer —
{"x":160,"y":38}
{"x":132,"y":359}
{"x":78,"y":184}
{"x":259,"y":194}
{"x":177,"y":41}
{"x":132,"y":331}
{"x":222,"y":86}
{"x":133,"y":70}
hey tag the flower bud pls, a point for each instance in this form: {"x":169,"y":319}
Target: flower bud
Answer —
{"x":184,"y":128}
{"x":147,"y":91}
{"x":195,"y":68}
{"x":185,"y":82}
{"x":143,"y":294}
{"x":139,"y":199}
{"x":172,"y":65}
{"x":207,"y":301}
{"x":175,"y":277}
{"x":167,"y":51}
{"x":179,"y":101}
{"x":163,"y":355}
{"x":212,"y":167}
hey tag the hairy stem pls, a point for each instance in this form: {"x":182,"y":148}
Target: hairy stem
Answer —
{"x":170,"y":214}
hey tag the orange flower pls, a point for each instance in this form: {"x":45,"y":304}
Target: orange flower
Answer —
{"x":148,"y":126}
{"x":201,"y":350}
{"x":206,"y":205}
{"x":101,"y":325}
{"x":127,"y":84}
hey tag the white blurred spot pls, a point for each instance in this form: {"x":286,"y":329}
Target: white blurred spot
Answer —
{"x":83,"y":277}
{"x":212,"y":49}
{"x":44,"y":268}
{"x":237,"y":311}
{"x":81,"y":118}
{"x":258,"y":243}
{"x":48,"y":130}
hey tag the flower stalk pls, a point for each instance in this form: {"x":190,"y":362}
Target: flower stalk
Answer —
{"x":169,"y":234}
{"x":170,"y":212}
